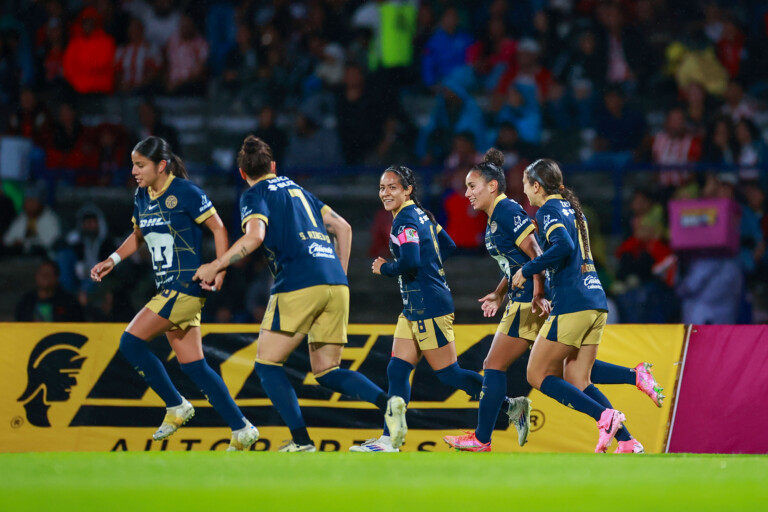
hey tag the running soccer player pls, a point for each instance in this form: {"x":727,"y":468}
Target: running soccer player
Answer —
{"x":566,"y":347}
{"x":310,"y":295}
{"x":168,"y":211}
{"x":425,"y":326}
{"x":510,"y":240}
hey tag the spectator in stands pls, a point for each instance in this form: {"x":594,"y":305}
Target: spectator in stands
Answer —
{"x":89,"y":57}
{"x":7,"y":213}
{"x":312,"y":146}
{"x":719,"y":145}
{"x":241,"y":65}
{"x":48,"y":302}
{"x":359,"y":115}
{"x":487,"y":59}
{"x":466,"y":226}
{"x":446,"y":49}
{"x":731,"y":47}
{"x":582,"y":72}
{"x":31,"y":120}
{"x":160,"y":19}
{"x":620,"y":48}
{"x":35,"y":231}
{"x":52,"y":50}
{"x":522,"y":110}
{"x":72,"y":145}
{"x":697,"y":108}
{"x":270,"y":133}
{"x":737,"y":105}
{"x":150,"y":123}
{"x":619,"y":129}
{"x":529,"y":70}
{"x":674,"y":146}
{"x":83,"y":247}
{"x":454,"y":111}
{"x":751,"y":150}
{"x":137,"y":63}
{"x":393,"y":144}
{"x":186,"y":54}
{"x":112,"y":146}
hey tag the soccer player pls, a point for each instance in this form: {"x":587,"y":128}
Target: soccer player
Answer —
{"x":168,"y":211}
{"x":566,"y":346}
{"x":425,"y":327}
{"x":310,"y":294}
{"x":510,"y":240}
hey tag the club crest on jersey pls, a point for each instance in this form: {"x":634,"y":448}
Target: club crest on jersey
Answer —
{"x":171,"y":202}
{"x":494,"y":227}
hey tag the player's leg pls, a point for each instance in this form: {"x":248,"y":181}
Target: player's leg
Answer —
{"x":641,"y":376}
{"x":274,"y":347}
{"x":188,"y":346}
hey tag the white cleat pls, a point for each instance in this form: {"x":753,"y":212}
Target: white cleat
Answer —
{"x":380,"y":445}
{"x":292,"y":447}
{"x":395,"y":419}
{"x":519,"y":413}
{"x":243,"y":439}
{"x":174,"y":418}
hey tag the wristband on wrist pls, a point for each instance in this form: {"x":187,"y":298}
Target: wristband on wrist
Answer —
{"x":115,"y":258}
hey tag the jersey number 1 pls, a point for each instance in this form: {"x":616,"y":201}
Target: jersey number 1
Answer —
{"x":296,"y":192}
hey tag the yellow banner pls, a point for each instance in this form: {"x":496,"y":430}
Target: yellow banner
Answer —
{"x":67,"y":388}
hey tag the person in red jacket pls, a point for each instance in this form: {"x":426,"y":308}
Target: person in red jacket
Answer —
{"x":89,"y":57}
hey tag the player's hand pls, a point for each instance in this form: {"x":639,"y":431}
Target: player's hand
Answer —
{"x":541,"y":304}
{"x":490,"y":304}
{"x":376,"y":266}
{"x":206,"y":274}
{"x":518,"y":281}
{"x":101,"y":269}
{"x":218,"y":282}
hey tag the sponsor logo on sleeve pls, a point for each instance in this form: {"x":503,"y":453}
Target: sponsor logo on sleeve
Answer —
{"x":592,"y":283}
{"x":206,"y":203}
{"x":518,"y":222}
{"x":548,"y":220}
{"x":244,"y":212}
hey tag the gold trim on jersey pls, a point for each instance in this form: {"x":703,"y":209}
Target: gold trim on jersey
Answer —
{"x":325,"y":209}
{"x":254,"y":216}
{"x":500,"y":197}
{"x":205,"y":215}
{"x":267,"y":176}
{"x":527,"y":231}
{"x":439,"y":229}
{"x":406,"y":203}
{"x":153,"y":196}
{"x":554,"y":196}
{"x":552,"y":228}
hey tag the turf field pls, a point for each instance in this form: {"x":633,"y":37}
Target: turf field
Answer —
{"x":216,"y":481}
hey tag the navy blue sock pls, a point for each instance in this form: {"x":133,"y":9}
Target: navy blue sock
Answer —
{"x":136,"y":351}
{"x":355,"y":385}
{"x":571,"y":396}
{"x":607,"y":373}
{"x":210,"y":383}
{"x":282,"y":395}
{"x":494,"y":390}
{"x":399,"y":377}
{"x":595,"y":394}
{"x":466,"y":380}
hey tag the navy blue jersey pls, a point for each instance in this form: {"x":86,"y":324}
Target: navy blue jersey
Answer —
{"x":573,"y":279}
{"x":170,"y":224}
{"x":424,"y":290}
{"x":297,"y":246}
{"x":508,"y":225}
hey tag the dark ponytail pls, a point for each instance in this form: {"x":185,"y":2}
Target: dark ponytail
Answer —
{"x":156,"y":149}
{"x":547,"y":173}
{"x":408,"y":179}
{"x":490,"y":169}
{"x":255,"y":157}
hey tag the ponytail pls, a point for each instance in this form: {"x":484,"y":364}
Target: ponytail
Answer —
{"x":490,"y":169}
{"x":548,"y":174}
{"x":176,"y":167}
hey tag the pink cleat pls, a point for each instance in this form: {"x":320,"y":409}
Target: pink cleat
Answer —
{"x":467,"y":443}
{"x":646,"y":383}
{"x":631,"y":446}
{"x":610,"y":423}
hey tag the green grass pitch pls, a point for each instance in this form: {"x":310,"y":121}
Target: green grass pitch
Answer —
{"x":467,"y":482}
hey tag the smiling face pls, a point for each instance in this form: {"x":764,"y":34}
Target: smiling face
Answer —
{"x":534,"y":192}
{"x":145,"y":171}
{"x":392,"y":193}
{"x":481,"y":193}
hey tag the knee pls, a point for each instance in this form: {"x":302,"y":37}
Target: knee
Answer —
{"x":535,"y":377}
{"x":449,"y":374}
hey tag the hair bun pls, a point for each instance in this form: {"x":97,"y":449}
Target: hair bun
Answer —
{"x":494,"y":156}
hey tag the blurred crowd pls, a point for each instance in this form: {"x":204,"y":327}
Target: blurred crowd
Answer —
{"x":675,"y":89}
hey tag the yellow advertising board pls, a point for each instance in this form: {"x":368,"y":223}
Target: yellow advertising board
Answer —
{"x":67,"y":388}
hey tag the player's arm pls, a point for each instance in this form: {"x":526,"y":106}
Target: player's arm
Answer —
{"x":255,"y":231}
{"x":337,"y":226}
{"x":129,"y":246}
{"x":409,"y":260}
{"x":491,"y":303}
{"x":221,"y":241}
{"x":445,"y":242}
{"x":531,"y":248}
{"x":561,"y":246}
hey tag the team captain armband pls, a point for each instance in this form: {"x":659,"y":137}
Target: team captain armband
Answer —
{"x":408,"y":235}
